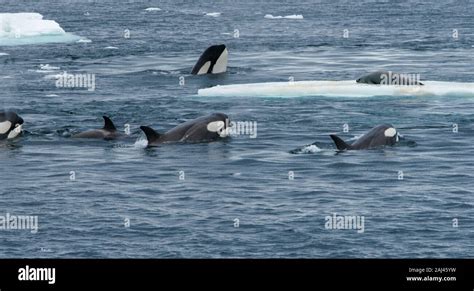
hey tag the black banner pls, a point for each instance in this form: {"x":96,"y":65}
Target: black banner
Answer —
{"x":384,"y":274}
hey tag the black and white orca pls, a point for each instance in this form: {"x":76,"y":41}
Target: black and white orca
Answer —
{"x":379,"y":136}
{"x":212,"y":61}
{"x":202,"y":129}
{"x":10,"y":125}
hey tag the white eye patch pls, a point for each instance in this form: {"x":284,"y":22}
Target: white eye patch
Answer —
{"x":215,"y":126}
{"x":390,"y":132}
{"x":5,"y":126}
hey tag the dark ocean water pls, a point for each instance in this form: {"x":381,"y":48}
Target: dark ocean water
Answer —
{"x":241,"y":178}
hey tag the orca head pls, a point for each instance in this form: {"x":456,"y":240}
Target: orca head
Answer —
{"x":218,"y":125}
{"x":212,"y":61}
{"x":10,"y":124}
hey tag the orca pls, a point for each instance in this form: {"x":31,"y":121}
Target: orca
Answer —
{"x":390,"y":78}
{"x":212,"y":61}
{"x":379,"y":136}
{"x":108,"y":132}
{"x":202,"y":129}
{"x":10,"y":125}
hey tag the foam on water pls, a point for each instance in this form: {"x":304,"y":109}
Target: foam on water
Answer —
{"x":30,"y":28}
{"x":47,"y":68}
{"x":141,"y":142}
{"x":84,"y":40}
{"x":50,"y":76}
{"x":338,"y":89}
{"x":310,"y":149}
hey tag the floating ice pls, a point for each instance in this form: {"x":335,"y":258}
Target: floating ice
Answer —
{"x":30,"y":28}
{"x":4,"y":54}
{"x":294,"y":16}
{"x":111,"y":48}
{"x":338,"y":89}
{"x":153,"y":9}
{"x":213,"y":14}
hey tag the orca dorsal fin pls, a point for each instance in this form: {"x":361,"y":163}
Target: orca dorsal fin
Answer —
{"x":108,"y":124}
{"x":340,"y":144}
{"x":151,"y":134}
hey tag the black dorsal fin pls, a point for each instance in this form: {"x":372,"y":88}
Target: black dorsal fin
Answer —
{"x":340,"y":144}
{"x":151,"y":134}
{"x":108,"y":124}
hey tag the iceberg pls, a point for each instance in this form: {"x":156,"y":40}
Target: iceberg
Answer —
{"x":31,"y":28}
{"x":349,"y":88}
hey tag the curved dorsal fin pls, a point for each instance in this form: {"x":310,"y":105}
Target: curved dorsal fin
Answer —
{"x":151,"y":134}
{"x":340,"y":144}
{"x":108,"y":124}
